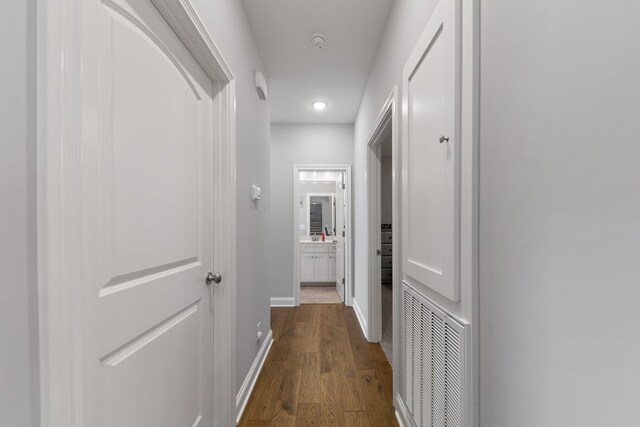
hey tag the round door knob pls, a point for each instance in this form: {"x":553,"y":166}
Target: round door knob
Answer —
{"x":213,"y":278}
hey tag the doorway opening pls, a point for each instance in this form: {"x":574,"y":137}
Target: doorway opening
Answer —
{"x":322,"y":234}
{"x":383,"y":230}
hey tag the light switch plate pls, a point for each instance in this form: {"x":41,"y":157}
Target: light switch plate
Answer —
{"x":256,"y":193}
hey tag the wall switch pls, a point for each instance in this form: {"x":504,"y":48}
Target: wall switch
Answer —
{"x":256,"y":193}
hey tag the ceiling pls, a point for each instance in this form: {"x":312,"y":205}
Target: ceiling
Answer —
{"x":299,"y":73}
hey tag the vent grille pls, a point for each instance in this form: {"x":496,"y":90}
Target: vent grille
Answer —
{"x":433,"y":363}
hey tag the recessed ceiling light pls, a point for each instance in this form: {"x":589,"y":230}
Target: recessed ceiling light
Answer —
{"x":319,"y":105}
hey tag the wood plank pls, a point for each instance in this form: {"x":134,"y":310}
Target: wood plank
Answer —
{"x":310,"y":390}
{"x":356,"y":419}
{"x":332,"y":409}
{"x":377,"y":406}
{"x":309,"y":414}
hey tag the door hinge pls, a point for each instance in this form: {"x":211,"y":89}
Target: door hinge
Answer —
{"x":343,"y":280}
{"x":378,"y":252}
{"x":344,"y":186}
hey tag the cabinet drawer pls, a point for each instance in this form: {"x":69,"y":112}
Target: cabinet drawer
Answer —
{"x":387,"y":237}
{"x":387,"y":249}
{"x":386,"y":262}
{"x":387,"y":275}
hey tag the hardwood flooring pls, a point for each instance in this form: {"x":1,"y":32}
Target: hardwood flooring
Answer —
{"x":321,"y":371}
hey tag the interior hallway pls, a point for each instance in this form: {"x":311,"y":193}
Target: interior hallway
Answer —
{"x":321,"y":371}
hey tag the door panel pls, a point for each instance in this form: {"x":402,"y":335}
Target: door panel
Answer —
{"x":332,"y":268}
{"x":149,"y":203}
{"x":431,"y":147}
{"x":307,"y":267}
{"x":322,"y":267}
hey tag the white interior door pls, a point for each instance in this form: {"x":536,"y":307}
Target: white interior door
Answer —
{"x":340,"y":236}
{"x":147,"y":212}
{"x":432,"y":155}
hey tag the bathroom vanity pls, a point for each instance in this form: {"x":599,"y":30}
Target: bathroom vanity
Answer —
{"x":317,"y":262}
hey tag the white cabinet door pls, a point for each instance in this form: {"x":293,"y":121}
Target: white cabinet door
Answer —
{"x":431,"y":155}
{"x":332,"y":268}
{"x":307,"y":267}
{"x":322,"y":267}
{"x":146,"y":222}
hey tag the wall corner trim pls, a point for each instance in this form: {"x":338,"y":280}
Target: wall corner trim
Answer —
{"x":361,"y":319}
{"x":283,"y":302}
{"x":252,"y":376}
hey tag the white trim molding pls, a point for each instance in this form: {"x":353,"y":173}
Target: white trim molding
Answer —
{"x":252,"y":376}
{"x":402,"y":413}
{"x":385,"y":124}
{"x":283,"y":302}
{"x":361,"y":319}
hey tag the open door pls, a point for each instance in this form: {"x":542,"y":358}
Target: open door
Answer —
{"x":340,"y":235}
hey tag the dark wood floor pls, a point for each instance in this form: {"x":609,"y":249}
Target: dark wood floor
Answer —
{"x":321,"y":371}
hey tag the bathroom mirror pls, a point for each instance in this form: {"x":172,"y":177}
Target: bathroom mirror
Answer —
{"x":320,"y":214}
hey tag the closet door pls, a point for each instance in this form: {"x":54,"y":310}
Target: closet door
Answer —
{"x":431,"y":155}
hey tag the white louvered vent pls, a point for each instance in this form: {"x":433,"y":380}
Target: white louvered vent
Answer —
{"x":434,"y":363}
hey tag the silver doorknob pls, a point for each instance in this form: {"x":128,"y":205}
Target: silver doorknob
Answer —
{"x":213,"y":278}
{"x":443,"y":139}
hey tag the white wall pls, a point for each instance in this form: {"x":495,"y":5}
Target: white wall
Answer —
{"x":386,"y":190}
{"x":297,"y":144}
{"x":19,"y":403}
{"x":227,"y":23}
{"x":406,"y":22}
{"x":560,"y":213}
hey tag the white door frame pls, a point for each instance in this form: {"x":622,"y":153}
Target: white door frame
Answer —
{"x":348,"y":265}
{"x":60,"y":60}
{"x":387,"y":121}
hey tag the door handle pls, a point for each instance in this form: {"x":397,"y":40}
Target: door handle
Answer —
{"x":443,"y":139}
{"x":213,"y":278}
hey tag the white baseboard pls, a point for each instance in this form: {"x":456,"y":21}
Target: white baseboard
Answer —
{"x":402,"y":414}
{"x":361,"y":319}
{"x":283,"y":302}
{"x":252,"y":376}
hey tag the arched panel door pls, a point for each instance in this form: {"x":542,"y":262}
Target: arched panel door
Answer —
{"x":147,"y":218}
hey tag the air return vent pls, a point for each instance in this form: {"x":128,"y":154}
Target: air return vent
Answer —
{"x":434,"y":363}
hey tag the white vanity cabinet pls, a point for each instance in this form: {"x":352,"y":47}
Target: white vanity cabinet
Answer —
{"x":317,"y":262}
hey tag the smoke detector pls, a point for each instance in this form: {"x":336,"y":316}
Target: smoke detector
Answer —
{"x":318,"y":40}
